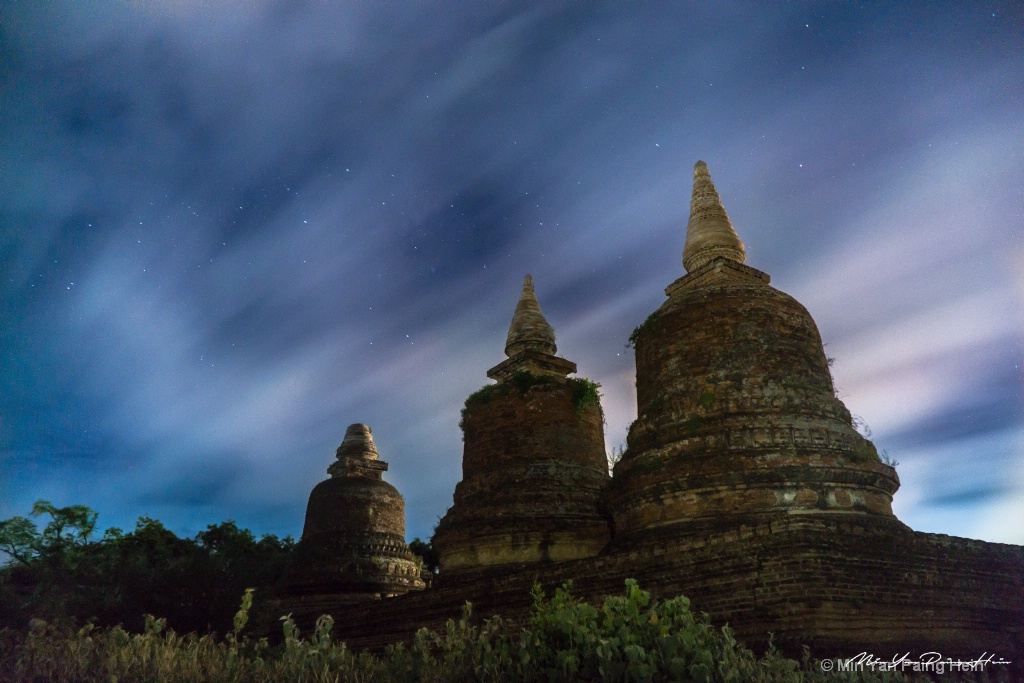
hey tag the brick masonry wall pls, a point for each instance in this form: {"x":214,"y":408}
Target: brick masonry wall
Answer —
{"x":353,"y":542}
{"x":534,"y":477}
{"x":738,"y":415}
{"x":836,"y":585}
{"x":354,"y":505}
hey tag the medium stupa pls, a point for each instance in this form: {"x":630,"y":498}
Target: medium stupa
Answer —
{"x":533,"y":466}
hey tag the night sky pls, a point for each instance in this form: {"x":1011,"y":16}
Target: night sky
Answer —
{"x":230,"y":229}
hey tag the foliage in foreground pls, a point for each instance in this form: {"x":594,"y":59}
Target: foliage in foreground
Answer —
{"x":627,"y":638}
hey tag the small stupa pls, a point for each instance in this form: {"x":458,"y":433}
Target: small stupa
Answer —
{"x":353,"y":542}
{"x":738,"y":421}
{"x":533,"y":466}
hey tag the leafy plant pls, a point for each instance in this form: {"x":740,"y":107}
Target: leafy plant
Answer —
{"x":887,"y":459}
{"x":614,"y":457}
{"x":861,"y":426}
{"x":584,"y":393}
{"x":521,"y":380}
{"x":68,"y":528}
{"x":639,"y":330}
{"x":426,"y":551}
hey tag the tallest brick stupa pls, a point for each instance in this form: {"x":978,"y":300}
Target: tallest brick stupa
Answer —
{"x":738,"y":419}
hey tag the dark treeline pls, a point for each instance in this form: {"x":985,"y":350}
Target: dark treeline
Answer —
{"x":58,"y":571}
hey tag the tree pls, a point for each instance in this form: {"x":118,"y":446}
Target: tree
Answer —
{"x":68,"y":527}
{"x":427,"y":553}
{"x":59,"y":573}
{"x":19,"y":538}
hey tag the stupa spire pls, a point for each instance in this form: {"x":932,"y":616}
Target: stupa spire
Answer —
{"x":357,"y":455}
{"x":529,"y":330}
{"x":530,"y":345}
{"x":358,"y":443}
{"x":709,"y":233}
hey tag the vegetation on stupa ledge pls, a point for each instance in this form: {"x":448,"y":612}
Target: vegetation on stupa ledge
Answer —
{"x":627,"y":638}
{"x":639,"y":329}
{"x":584,"y":392}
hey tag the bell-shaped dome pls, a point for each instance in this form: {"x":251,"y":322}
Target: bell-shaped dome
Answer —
{"x":353,"y":539}
{"x":737,"y":414}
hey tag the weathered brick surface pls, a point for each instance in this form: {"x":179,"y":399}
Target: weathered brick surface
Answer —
{"x":534,"y":474}
{"x":353,"y":543}
{"x":839,"y":585}
{"x":353,"y":540}
{"x":738,"y":414}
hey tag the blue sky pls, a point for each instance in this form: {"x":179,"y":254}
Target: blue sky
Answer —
{"x":231,"y":229}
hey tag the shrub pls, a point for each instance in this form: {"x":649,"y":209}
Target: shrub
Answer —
{"x":584,"y":392}
{"x":629,"y":637}
{"x":639,"y":329}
